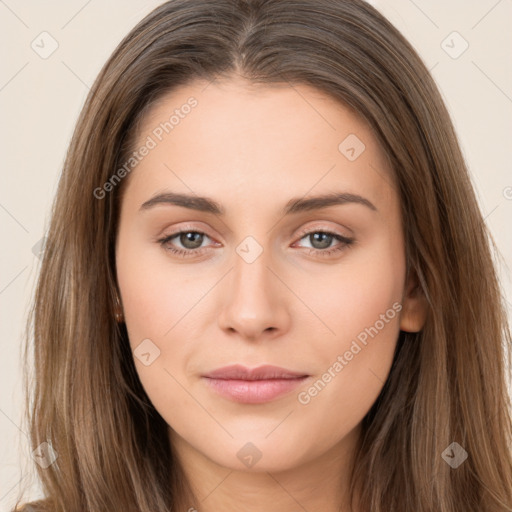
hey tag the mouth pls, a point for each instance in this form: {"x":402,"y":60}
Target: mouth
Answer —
{"x":253,"y":386}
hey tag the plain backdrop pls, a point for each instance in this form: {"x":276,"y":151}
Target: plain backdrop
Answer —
{"x":465,"y":44}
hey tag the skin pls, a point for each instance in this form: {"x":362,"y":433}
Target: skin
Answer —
{"x":252,"y":148}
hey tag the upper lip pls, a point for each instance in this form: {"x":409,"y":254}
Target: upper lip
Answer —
{"x":240,"y":372}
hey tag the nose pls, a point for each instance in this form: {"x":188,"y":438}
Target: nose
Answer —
{"x":255,"y":300}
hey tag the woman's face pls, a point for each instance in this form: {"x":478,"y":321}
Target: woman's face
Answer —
{"x":254,"y":281}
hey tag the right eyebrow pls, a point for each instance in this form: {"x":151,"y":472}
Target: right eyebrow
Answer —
{"x":202,"y":204}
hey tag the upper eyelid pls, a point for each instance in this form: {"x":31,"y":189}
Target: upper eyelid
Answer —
{"x":325,"y":229}
{"x":189,"y":228}
{"x":301,"y":234}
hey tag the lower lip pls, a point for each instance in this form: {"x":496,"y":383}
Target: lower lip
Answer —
{"x":254,"y":391}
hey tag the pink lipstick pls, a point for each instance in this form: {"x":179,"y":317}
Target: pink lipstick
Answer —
{"x":253,"y":386}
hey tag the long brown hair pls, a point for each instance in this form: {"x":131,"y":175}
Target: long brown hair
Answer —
{"x":447,"y":383}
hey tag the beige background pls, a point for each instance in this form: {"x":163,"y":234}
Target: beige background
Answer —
{"x":41,"y":98}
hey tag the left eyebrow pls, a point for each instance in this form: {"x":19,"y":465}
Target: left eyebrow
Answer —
{"x":323,"y":201}
{"x":294,"y":205}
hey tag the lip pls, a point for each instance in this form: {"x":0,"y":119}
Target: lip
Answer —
{"x":253,"y":385}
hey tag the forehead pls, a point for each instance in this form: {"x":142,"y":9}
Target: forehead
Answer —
{"x":235,"y":137}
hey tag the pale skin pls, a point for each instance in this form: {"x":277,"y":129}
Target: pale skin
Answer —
{"x":252,"y":149}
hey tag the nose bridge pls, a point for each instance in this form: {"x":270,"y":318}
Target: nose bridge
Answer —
{"x":255,"y":301}
{"x":251,"y":273}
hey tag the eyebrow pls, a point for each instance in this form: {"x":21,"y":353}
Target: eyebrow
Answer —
{"x":294,"y":205}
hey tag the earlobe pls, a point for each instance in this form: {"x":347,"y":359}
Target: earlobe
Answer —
{"x":118,"y":310}
{"x":414,"y":306}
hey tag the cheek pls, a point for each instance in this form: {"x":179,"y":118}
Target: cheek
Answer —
{"x":160,"y":302}
{"x":155,"y":293}
{"x":363,"y":311}
{"x":155,"y":306}
{"x":353,"y":295}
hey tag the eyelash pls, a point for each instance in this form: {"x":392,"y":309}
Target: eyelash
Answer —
{"x":185,"y":253}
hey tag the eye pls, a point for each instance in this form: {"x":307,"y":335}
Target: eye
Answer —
{"x":321,"y":242}
{"x":191,"y":242}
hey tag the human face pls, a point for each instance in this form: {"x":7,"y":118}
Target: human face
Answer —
{"x":256,"y":286}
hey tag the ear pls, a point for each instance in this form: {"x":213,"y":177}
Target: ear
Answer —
{"x":414,"y":305}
